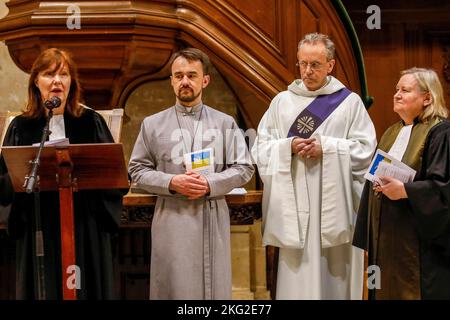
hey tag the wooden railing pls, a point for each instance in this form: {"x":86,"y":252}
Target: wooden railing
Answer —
{"x":132,"y":249}
{"x":138,"y":209}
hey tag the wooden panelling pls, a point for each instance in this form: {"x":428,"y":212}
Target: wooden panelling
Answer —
{"x":413,"y":33}
{"x":441,"y":61}
{"x":309,"y":17}
{"x":262,"y":14}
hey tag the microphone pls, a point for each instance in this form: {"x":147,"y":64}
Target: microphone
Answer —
{"x":53,"y":102}
{"x":30,"y":180}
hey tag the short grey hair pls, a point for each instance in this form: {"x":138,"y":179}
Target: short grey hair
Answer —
{"x":313,"y":38}
{"x":428,"y":81}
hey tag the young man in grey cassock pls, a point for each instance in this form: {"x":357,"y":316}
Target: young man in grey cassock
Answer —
{"x":190,"y":256}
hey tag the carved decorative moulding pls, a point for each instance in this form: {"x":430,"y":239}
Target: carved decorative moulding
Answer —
{"x":119,"y":45}
{"x":116,"y":42}
{"x":139,"y":208}
{"x":141,"y":217}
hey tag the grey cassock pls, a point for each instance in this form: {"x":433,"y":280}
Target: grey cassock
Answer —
{"x":190,"y":256}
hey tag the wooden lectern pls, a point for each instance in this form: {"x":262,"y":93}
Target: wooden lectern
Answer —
{"x":67,"y":169}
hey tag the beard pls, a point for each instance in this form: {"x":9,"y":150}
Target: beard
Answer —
{"x":187,"y":97}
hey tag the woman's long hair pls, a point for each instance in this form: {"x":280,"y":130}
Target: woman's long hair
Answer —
{"x":53,"y":58}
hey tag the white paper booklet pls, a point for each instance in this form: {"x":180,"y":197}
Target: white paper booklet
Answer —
{"x":384,"y":164}
{"x":238,"y":191}
{"x":201,"y":161}
{"x":56,"y":142}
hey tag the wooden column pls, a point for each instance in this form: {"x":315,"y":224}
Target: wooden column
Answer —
{"x":65,"y":186}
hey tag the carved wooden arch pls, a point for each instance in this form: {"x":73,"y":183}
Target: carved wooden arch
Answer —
{"x":122,"y":44}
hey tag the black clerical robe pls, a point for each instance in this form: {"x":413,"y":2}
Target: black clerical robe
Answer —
{"x":409,"y":239}
{"x":96,"y":215}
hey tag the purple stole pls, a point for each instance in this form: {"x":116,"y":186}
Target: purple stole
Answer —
{"x":316,"y":113}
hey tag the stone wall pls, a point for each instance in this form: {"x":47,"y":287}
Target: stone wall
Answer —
{"x":13,"y":81}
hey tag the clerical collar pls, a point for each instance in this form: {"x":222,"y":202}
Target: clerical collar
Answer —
{"x":189,"y":111}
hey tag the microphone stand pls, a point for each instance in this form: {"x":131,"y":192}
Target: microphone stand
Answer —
{"x":32,"y":185}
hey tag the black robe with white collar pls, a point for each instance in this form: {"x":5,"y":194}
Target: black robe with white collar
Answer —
{"x":97,"y":216}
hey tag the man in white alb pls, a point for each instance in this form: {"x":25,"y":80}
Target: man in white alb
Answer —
{"x":313,"y":147}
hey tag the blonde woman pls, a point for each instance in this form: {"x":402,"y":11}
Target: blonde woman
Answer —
{"x":405,"y":227}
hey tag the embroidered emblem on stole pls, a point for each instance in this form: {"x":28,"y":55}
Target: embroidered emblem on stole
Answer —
{"x":316,"y":113}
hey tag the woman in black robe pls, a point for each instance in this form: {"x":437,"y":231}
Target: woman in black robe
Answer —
{"x":96,"y":213}
{"x":405,"y":227}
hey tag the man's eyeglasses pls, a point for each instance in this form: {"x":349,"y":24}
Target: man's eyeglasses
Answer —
{"x":313,"y":65}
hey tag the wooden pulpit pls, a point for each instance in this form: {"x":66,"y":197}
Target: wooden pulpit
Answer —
{"x":68,"y":169}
